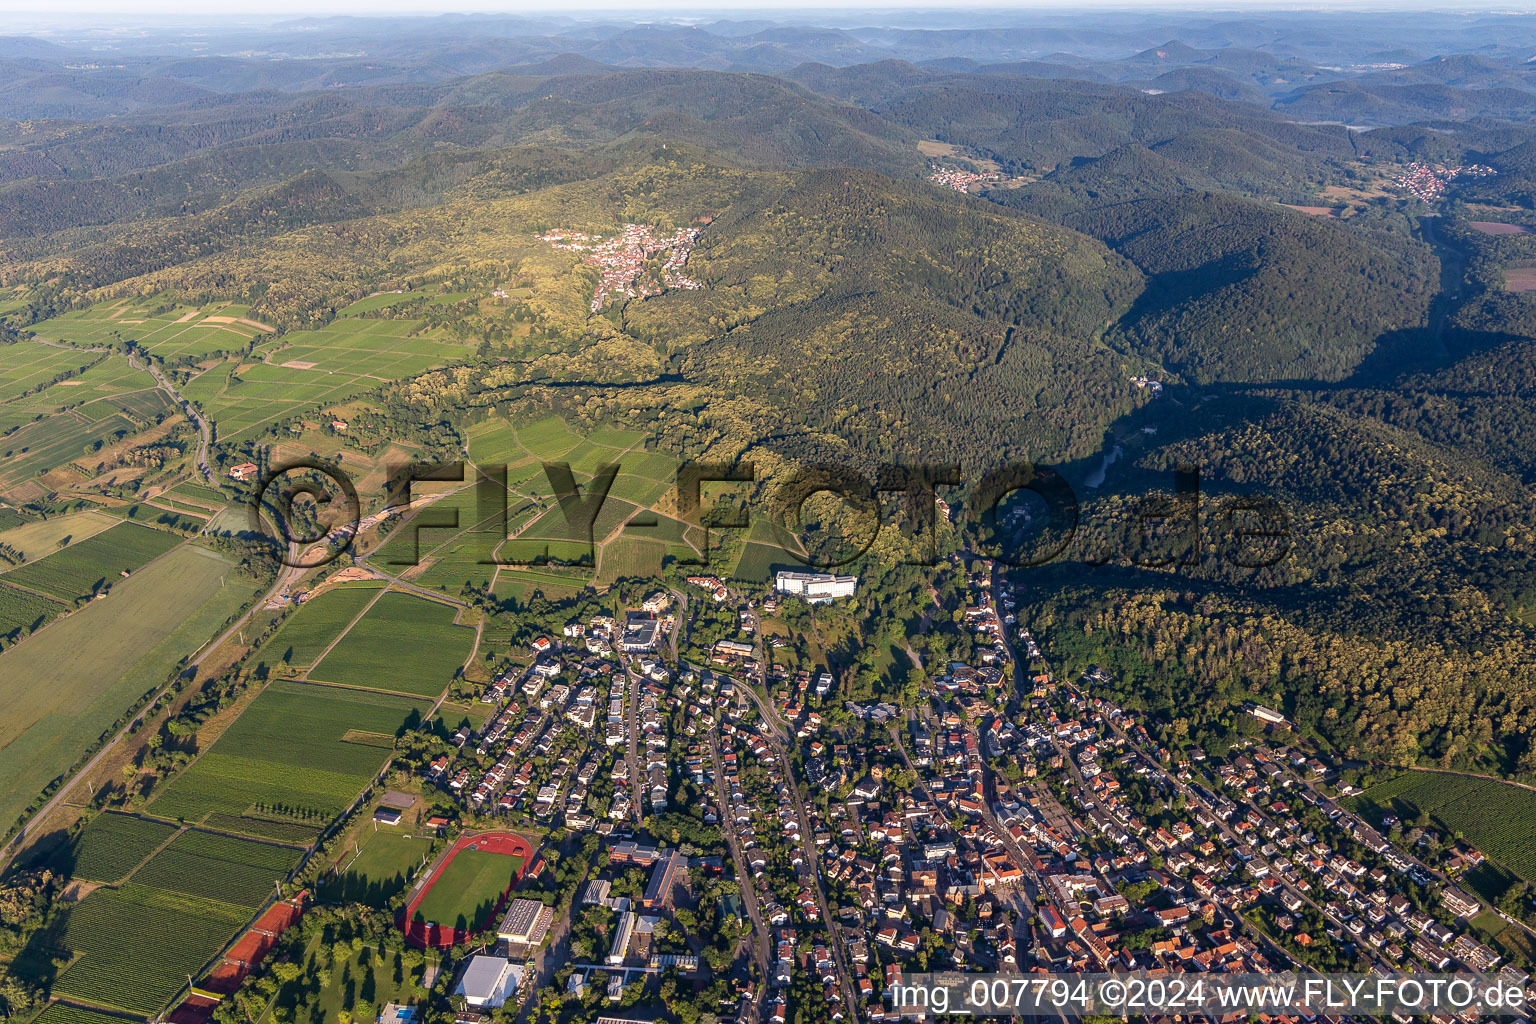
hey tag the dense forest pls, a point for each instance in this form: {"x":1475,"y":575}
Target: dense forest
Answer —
{"x":1153,"y":258}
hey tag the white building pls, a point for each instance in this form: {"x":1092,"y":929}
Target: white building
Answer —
{"x":488,"y":981}
{"x":621,"y":936}
{"x":815,"y":587}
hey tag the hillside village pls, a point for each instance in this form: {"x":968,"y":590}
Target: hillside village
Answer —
{"x":623,"y":260}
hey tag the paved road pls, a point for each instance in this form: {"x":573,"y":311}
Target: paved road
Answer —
{"x":9,"y":850}
{"x":776,"y":735}
{"x":205,"y":432}
{"x":632,"y":685}
{"x":743,"y":872}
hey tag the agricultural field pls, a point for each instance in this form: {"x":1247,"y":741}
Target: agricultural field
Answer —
{"x":405,"y":644}
{"x":42,"y":537}
{"x":382,"y":865}
{"x":166,"y":329}
{"x":447,"y":516}
{"x":63,"y":1013}
{"x":198,"y":494}
{"x":307,"y":632}
{"x":23,"y":612}
{"x":83,"y":569}
{"x":62,"y":687}
{"x":306,"y":369}
{"x":162,"y":519}
{"x":549,"y":439}
{"x":494,"y":443}
{"x":110,"y":847}
{"x":183,"y":511}
{"x":626,"y":556}
{"x":520,"y":584}
{"x":57,"y":430}
{"x":47,"y":447}
{"x":218,"y":867}
{"x":1495,"y":817}
{"x":286,"y":758}
{"x":468,"y":889}
{"x":28,"y":366}
{"x":133,"y":947}
{"x":381,"y":301}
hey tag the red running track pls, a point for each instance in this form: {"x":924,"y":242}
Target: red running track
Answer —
{"x":426,"y":935}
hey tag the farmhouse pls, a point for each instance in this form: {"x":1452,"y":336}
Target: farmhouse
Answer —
{"x":243,"y":472}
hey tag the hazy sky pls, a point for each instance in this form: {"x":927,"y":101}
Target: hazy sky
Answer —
{"x":26,"y":15}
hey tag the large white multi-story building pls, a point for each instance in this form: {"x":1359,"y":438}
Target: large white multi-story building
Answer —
{"x":815,"y":587}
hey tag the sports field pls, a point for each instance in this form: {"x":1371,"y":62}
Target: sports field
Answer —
{"x":384,"y":865}
{"x":469,"y":888}
{"x":62,"y":687}
{"x":284,"y":761}
{"x":405,"y":644}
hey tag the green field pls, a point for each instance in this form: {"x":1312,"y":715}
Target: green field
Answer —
{"x":307,"y":632}
{"x":200,"y":494}
{"x":494,"y":443}
{"x":385,"y":864}
{"x":467,"y":891}
{"x":306,"y":369}
{"x":110,"y":847}
{"x":284,"y":757}
{"x":61,"y":688}
{"x":549,"y":439}
{"x":27,"y":365}
{"x":57,"y":440}
{"x":135,"y":946}
{"x":405,"y":644}
{"x":166,"y":329}
{"x":1495,"y":817}
{"x":453,"y":715}
{"x":381,"y":301}
{"x":521,"y":584}
{"x":43,"y":537}
{"x":63,"y":1013}
{"x":22,"y":612}
{"x":218,"y":867}
{"x":159,"y":518}
{"x":85,"y":568}
{"x":57,"y":410}
{"x":368,"y":978}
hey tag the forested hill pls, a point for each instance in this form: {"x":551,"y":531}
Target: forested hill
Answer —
{"x":1242,"y":290}
{"x":854,"y":245}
